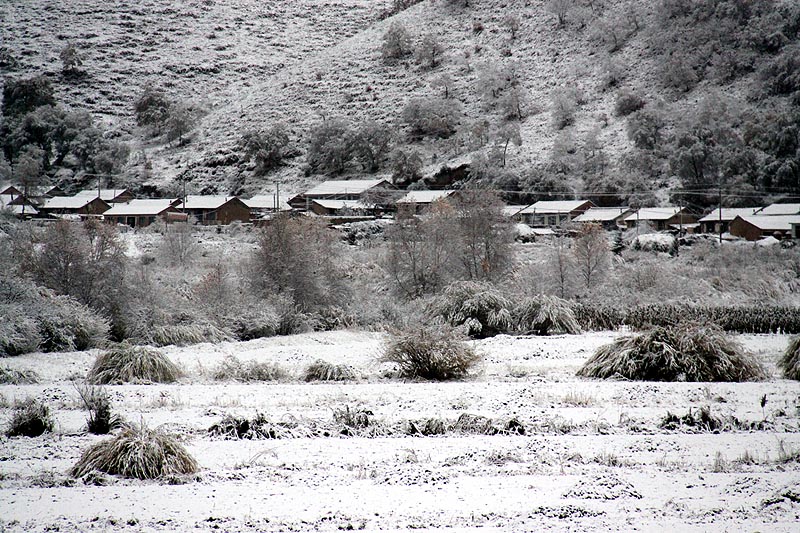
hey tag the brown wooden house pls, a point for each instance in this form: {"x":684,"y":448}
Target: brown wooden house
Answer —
{"x":547,"y":213}
{"x":80,"y":205}
{"x":660,"y":218}
{"x":214,"y":210}
{"x":368,"y":192}
{"x":142,"y":213}
{"x":719,"y":222}
{"x":110,"y":196}
{"x":757,"y":227}
{"x":610,"y":218}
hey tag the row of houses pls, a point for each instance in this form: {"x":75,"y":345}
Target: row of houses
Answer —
{"x":353,"y":199}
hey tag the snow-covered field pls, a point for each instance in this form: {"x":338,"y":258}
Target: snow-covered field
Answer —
{"x":593,"y":456}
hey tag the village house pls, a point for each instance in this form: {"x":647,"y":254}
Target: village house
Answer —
{"x":419,"y":201}
{"x":213,"y":210}
{"x":6,"y":189}
{"x":262,"y":204}
{"x":660,"y":218}
{"x":78,"y":206}
{"x":111,"y":196}
{"x":370,"y":192}
{"x":38,"y":195}
{"x":757,"y":227}
{"x":610,"y":218}
{"x":716,"y":222}
{"x":141,"y":213}
{"x":553,"y":212}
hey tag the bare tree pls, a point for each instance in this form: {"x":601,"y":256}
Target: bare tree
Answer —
{"x":429,"y":51}
{"x":591,"y":253}
{"x":484,"y":235}
{"x":560,"y":267}
{"x":178,"y":246}
{"x":396,"y":43}
{"x":560,"y":9}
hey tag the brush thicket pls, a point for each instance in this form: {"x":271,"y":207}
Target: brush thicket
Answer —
{"x":544,"y":315}
{"x":321,"y":370}
{"x":428,"y":353}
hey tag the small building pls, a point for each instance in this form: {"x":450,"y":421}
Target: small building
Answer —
{"x":215,"y":210}
{"x":716,"y":222}
{"x":141,"y":213}
{"x":340,"y":208}
{"x":111,"y":196}
{"x":81,"y":205}
{"x":17,"y":206}
{"x":610,"y":218}
{"x":513,"y":212}
{"x":419,"y":201}
{"x":368,"y":191}
{"x":757,"y":227}
{"x":779,"y":210}
{"x":262,"y":204}
{"x":660,"y":218}
{"x":548,"y":213}
{"x":6,"y":189}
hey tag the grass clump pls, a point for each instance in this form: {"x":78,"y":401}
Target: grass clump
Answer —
{"x":478,"y":308}
{"x":125,"y":363}
{"x":234,"y":369}
{"x":31,"y":418}
{"x":790,"y":362}
{"x":428,"y":353}
{"x":11,"y":376}
{"x":543,"y":315}
{"x":321,"y":370}
{"x":96,"y":400}
{"x":681,"y":353}
{"x":137,"y":452}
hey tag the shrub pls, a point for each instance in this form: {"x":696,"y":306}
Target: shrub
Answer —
{"x":137,"y":452}
{"x":232,"y":368}
{"x":478,"y":308}
{"x":18,"y":331}
{"x":258,"y":427}
{"x":627,"y":103}
{"x":10,"y":376}
{"x":545,"y":314}
{"x":163,"y":329}
{"x":125,"y":363}
{"x":255,"y":324}
{"x":436,"y":117}
{"x":31,"y":418}
{"x":321,"y":370}
{"x":681,"y":353}
{"x":430,"y":353}
{"x":790,"y":362}
{"x":101,"y":420}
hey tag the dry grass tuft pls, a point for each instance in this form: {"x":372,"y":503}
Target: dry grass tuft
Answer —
{"x":234,"y":369}
{"x":681,"y":353}
{"x":427,"y":353}
{"x":125,"y":363}
{"x":31,"y":418}
{"x":790,"y":362}
{"x":137,"y":452}
{"x":10,"y":376}
{"x":543,"y":315}
{"x":101,"y":420}
{"x":321,"y":370}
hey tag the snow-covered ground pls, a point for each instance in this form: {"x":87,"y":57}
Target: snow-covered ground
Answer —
{"x":593,"y":456}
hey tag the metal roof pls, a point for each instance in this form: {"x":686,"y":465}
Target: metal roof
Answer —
{"x":205,"y":202}
{"x":140,"y":208}
{"x":780,"y":209}
{"x":653,"y":213}
{"x":424,"y":197}
{"x":729,"y":213}
{"x":602,"y":214}
{"x":68,"y":202}
{"x":340,"y":187}
{"x":551,"y":207}
{"x":105,"y":194}
{"x":772,"y":222}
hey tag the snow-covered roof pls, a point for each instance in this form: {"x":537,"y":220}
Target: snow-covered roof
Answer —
{"x":424,"y":197}
{"x":205,"y":202}
{"x":140,"y":208}
{"x":780,"y":209}
{"x":545,"y":207}
{"x":339,"y":187}
{"x":511,"y":210}
{"x":267,"y":201}
{"x":602,"y":214}
{"x":340,"y":204}
{"x":729,"y":213}
{"x":105,"y":194}
{"x":7,"y":188}
{"x":772,"y":222}
{"x":653,"y":213}
{"x":68,"y":202}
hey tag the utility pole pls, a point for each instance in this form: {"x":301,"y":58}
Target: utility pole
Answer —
{"x":277,"y":196}
{"x":719,"y":203}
